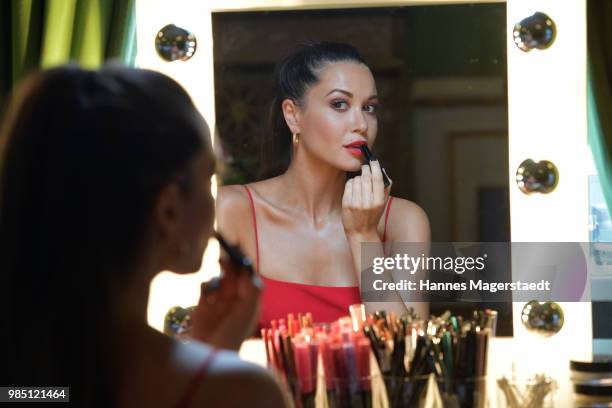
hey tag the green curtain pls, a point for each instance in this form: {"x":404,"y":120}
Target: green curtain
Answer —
{"x":599,"y":18}
{"x":38,"y":34}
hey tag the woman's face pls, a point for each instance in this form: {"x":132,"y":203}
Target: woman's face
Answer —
{"x":338,"y":113}
{"x":198,"y":214}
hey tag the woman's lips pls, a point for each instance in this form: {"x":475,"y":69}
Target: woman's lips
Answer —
{"x":354,"y":149}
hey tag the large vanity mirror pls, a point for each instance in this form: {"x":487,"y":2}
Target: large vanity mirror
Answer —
{"x":441,"y":76}
{"x":468,"y":101}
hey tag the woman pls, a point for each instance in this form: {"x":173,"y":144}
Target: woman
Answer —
{"x":305,"y":223}
{"x":105,"y":183}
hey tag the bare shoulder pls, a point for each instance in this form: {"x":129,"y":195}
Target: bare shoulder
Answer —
{"x":257,"y":386}
{"x":404,"y":208}
{"x":235,"y":197}
{"x":408,"y":222}
{"x":232,"y":210}
{"x":229,"y":380}
{"x":230,"y":198}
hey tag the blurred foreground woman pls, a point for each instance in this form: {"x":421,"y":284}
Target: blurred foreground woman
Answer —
{"x":105,"y":182}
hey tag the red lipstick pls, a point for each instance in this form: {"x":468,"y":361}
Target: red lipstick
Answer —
{"x":354,"y":148}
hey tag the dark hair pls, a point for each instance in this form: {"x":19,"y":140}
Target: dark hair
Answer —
{"x":85,"y":155}
{"x":293,"y":76}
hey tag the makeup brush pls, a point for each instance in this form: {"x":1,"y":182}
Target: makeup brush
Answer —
{"x":370,"y":157}
{"x":235,"y":254}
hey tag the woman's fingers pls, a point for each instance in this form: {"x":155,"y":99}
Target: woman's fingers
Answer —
{"x":378,"y":185}
{"x":366,"y":186}
{"x":357,"y":199}
{"x":348,"y":194}
{"x":209,"y":291}
{"x":365,"y":191}
{"x":248,"y":286}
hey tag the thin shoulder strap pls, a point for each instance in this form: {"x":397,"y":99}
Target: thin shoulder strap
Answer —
{"x":254,"y":226}
{"x":197,"y":380}
{"x":387,"y":218}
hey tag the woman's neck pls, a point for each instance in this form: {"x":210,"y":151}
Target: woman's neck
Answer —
{"x":313,"y":187}
{"x":129,"y":313}
{"x":140,"y":354}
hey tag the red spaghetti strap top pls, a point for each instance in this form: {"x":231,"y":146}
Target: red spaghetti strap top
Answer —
{"x":326,"y":303}
{"x":200,"y":376}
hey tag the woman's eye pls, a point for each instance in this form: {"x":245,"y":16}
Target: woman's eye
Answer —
{"x":341,"y":105}
{"x":371,"y":108}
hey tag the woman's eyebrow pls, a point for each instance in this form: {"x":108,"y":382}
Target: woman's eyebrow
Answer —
{"x":349,"y":94}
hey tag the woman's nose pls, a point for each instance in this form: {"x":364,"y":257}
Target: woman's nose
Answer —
{"x":360,"y":123}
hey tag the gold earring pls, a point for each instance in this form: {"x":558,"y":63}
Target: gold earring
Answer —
{"x":296,"y":139}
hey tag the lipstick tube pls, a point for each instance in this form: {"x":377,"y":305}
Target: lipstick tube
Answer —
{"x":370,"y":157}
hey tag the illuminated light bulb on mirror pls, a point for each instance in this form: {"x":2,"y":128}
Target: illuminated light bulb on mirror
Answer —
{"x":537,"y":31}
{"x":537,"y":177}
{"x":177,"y":322}
{"x":542,"y":318}
{"x":174,"y":43}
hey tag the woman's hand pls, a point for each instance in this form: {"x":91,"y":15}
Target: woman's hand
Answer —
{"x":363,"y":202}
{"x":228,"y":309}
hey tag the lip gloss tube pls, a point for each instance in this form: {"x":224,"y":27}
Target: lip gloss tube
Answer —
{"x":370,"y":157}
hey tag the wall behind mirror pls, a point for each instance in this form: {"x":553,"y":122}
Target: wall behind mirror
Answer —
{"x":441,"y":76}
